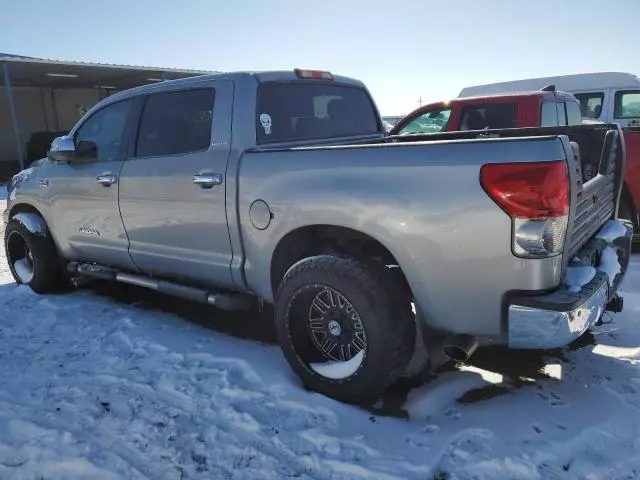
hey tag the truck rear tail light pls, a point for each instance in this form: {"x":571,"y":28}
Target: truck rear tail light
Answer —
{"x":536,"y":197}
{"x":314,"y":74}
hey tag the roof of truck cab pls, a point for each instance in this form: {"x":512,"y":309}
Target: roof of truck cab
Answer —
{"x":497,"y":98}
{"x":260,"y":77}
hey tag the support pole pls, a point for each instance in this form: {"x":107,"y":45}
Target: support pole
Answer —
{"x":14,"y":118}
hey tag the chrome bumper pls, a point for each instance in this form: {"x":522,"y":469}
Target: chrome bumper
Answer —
{"x":556,"y":319}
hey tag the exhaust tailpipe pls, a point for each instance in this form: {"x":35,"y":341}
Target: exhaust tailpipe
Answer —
{"x":460,"y":347}
{"x":616,"y":304}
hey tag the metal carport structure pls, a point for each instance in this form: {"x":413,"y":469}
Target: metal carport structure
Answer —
{"x":45,"y":95}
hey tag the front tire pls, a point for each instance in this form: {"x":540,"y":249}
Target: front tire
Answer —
{"x":344,"y":332}
{"x":32,"y":257}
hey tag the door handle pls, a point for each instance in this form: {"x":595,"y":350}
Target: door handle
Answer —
{"x":107,"y":179}
{"x":207,"y":180}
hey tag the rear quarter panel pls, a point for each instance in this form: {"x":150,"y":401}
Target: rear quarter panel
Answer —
{"x":422,"y":201}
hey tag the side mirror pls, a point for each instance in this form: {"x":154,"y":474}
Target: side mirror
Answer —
{"x":86,"y":151}
{"x":62,"y":149}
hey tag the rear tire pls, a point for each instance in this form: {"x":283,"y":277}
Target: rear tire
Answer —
{"x":33,"y":258}
{"x":330,"y":310}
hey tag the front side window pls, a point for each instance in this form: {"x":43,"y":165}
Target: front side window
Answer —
{"x":627,"y":104}
{"x":491,"y":116}
{"x":304,"y":110}
{"x":590,"y":104}
{"x":100,"y":137}
{"x":175,"y":123}
{"x":432,"y":121}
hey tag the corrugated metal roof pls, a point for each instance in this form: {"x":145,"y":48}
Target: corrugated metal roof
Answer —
{"x":8,"y":57}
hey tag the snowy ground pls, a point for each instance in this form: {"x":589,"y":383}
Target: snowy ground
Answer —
{"x":117,"y":382}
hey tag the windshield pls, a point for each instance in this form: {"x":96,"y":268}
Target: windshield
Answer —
{"x":431,"y":121}
{"x":313,"y":110}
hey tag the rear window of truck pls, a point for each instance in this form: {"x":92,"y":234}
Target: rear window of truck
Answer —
{"x":312,"y":110}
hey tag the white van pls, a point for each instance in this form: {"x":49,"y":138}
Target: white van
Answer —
{"x":612,"y":97}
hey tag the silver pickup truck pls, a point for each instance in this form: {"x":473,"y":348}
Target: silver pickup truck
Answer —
{"x":282,"y":187}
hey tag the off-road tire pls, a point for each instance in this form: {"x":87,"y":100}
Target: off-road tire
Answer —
{"x":47,"y":271}
{"x":387,"y":321}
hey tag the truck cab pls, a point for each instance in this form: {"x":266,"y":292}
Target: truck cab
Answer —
{"x":611,"y":97}
{"x":543,"y":108}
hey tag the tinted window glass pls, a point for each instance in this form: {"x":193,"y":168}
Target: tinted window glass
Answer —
{"x":308,"y":110}
{"x":495,"y":115}
{"x":433,"y":121}
{"x":574,"y":117}
{"x":627,"y":104}
{"x":548,"y":115}
{"x":176,"y":122}
{"x":590,"y":104}
{"x":100,"y":137}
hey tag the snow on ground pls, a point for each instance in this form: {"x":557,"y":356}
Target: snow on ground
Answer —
{"x":99,"y":383}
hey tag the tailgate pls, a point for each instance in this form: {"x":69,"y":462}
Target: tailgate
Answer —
{"x":598,"y":163}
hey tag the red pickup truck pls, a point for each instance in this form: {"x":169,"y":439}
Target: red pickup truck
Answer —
{"x":541,"y":108}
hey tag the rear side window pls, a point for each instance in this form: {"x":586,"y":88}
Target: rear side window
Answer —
{"x":176,"y":123}
{"x":548,"y":114}
{"x":574,"y":117}
{"x":627,"y":104}
{"x":312,"y":110}
{"x":562,"y":113}
{"x":493,"y":115}
{"x":590,"y":104}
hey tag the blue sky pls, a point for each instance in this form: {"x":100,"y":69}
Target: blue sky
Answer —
{"x":402,"y":50}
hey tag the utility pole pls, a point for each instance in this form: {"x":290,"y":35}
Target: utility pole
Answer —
{"x":420,"y":101}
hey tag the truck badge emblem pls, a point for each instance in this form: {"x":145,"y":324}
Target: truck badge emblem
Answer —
{"x":89,"y":230}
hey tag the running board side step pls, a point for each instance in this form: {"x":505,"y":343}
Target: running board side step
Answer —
{"x":220,"y":299}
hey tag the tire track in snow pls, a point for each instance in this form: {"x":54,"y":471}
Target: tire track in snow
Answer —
{"x":128,"y":404}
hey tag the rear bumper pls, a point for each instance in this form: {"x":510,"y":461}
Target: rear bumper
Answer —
{"x":556,"y":319}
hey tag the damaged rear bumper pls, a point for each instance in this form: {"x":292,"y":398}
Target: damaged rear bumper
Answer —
{"x":556,"y":319}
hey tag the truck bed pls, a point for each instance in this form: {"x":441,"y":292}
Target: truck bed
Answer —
{"x":421,"y":198}
{"x":599,"y":163}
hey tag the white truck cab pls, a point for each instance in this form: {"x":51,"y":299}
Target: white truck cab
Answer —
{"x":611,"y":97}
